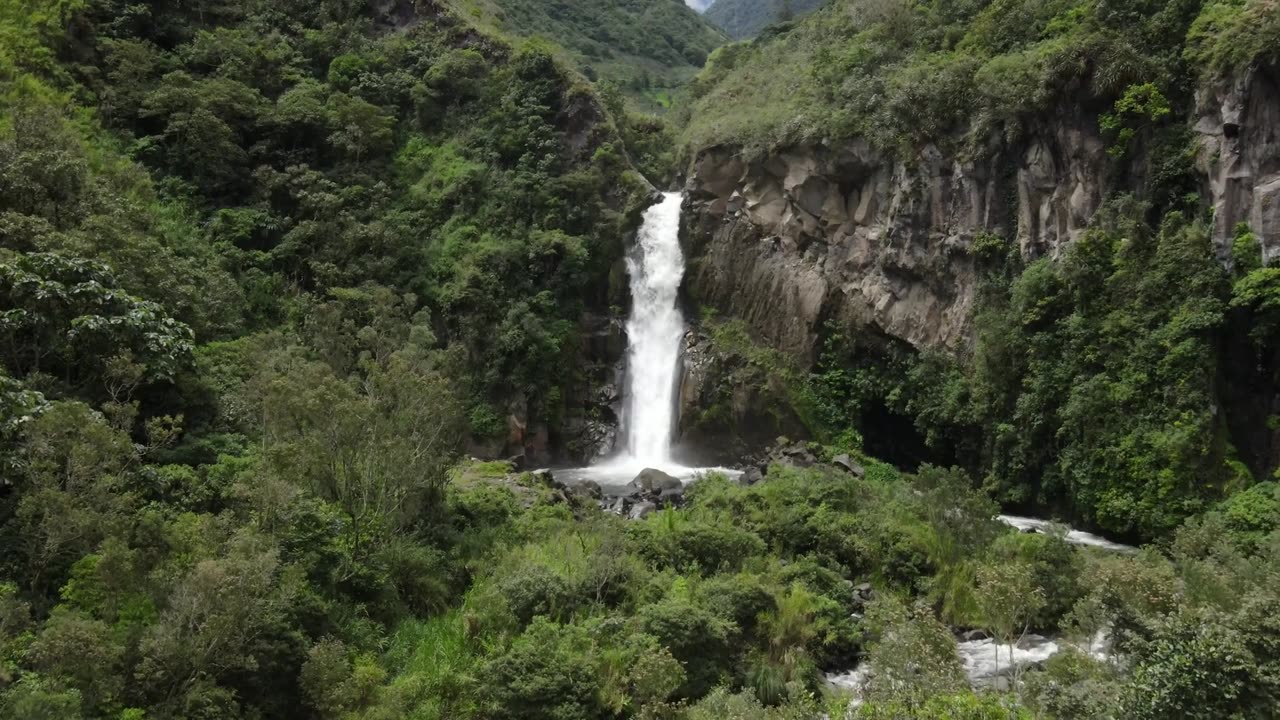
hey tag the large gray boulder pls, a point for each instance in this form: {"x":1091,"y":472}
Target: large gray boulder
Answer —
{"x":654,"y":481}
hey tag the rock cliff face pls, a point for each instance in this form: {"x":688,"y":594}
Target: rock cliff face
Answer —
{"x":843,"y":233}
{"x":1239,"y":156}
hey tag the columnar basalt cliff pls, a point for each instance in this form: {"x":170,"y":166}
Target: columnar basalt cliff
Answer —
{"x":843,"y":236}
{"x":845,"y":233}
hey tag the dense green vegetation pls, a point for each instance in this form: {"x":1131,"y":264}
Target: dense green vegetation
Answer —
{"x":1091,"y":390}
{"x":306,"y":161}
{"x":268,"y":270}
{"x":647,"y":48}
{"x":265,"y":271}
{"x":746,"y":18}
{"x":898,"y":72}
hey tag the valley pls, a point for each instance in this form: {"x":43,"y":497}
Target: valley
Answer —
{"x":524,"y":359}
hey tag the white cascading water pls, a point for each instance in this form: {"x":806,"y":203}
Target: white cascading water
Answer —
{"x":654,"y":333}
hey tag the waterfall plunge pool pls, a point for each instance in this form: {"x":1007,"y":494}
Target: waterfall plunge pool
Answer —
{"x":614,"y":475}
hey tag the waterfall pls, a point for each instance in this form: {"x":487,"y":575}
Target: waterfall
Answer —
{"x":654,"y":333}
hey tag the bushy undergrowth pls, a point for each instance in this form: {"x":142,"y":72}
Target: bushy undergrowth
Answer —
{"x":576,"y":613}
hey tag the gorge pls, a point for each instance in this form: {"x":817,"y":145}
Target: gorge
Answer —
{"x":299,"y":300}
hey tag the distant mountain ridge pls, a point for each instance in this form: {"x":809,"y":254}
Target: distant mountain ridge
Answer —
{"x":746,"y":18}
{"x":647,"y":47}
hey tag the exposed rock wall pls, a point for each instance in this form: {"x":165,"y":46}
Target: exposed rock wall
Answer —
{"x":1239,"y":156}
{"x":843,"y":233}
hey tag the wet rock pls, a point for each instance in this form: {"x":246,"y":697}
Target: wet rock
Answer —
{"x":797,"y":454}
{"x":750,"y":476}
{"x":652,"y":480}
{"x":629,"y":492}
{"x":588,"y":488}
{"x":671,"y":497}
{"x":642,"y":509}
{"x":974,"y":635}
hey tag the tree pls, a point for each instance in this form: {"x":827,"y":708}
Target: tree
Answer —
{"x":912,"y":659}
{"x":1197,"y":667}
{"x":65,"y":315}
{"x":696,"y":638}
{"x":376,"y":443}
{"x":357,"y":127}
{"x":204,"y":123}
{"x":228,"y":616}
{"x":85,"y":654}
{"x":547,"y":673}
{"x":1009,"y":600}
{"x":71,"y":495}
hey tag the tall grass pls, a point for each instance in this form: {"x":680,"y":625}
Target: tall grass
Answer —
{"x":433,"y":664}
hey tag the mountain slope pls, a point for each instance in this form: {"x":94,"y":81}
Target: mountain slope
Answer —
{"x":874,"y":189}
{"x":648,"y":47}
{"x":746,"y":18}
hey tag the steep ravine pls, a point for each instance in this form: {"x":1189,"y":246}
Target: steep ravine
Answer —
{"x":883,"y":246}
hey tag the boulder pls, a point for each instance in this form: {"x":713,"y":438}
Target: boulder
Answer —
{"x":671,"y":497}
{"x":750,"y":476}
{"x":641,"y":509}
{"x":846,"y":463}
{"x":795,"y":454}
{"x":796,"y":450}
{"x":588,"y":488}
{"x":629,"y":492}
{"x":655,"y":481}
{"x":862,"y":594}
{"x":973,"y":635}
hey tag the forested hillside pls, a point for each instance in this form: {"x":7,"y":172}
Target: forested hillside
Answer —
{"x":746,"y":18}
{"x":294,"y":297}
{"x":648,"y":48}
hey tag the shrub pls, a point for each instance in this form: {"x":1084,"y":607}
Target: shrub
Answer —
{"x":696,"y":637}
{"x":547,"y":673}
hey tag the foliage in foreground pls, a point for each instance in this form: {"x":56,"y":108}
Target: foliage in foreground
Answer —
{"x":243,"y":589}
